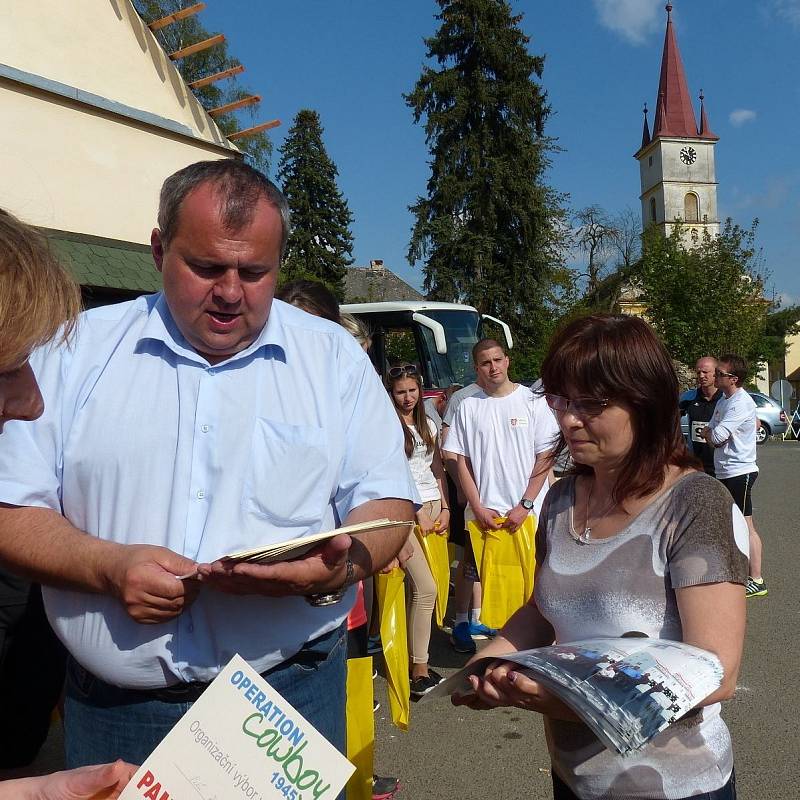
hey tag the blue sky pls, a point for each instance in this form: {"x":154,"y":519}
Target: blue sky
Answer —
{"x":352,"y":60}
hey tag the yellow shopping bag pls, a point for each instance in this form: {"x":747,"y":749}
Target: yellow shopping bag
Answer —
{"x":360,"y":727}
{"x":434,"y":545}
{"x":392,"y":605}
{"x":506,"y":562}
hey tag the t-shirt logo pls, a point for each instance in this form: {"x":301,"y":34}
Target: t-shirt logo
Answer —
{"x":518,"y":422}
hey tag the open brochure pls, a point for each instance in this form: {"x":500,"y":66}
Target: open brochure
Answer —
{"x":294,"y":548}
{"x":625,"y":690}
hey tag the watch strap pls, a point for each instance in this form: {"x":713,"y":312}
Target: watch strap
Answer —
{"x":323,"y":599}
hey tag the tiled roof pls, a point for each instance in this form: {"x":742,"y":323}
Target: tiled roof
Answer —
{"x":106,"y":263}
{"x":374,"y":284}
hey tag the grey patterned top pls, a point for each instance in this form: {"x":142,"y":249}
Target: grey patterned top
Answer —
{"x":691,"y":534}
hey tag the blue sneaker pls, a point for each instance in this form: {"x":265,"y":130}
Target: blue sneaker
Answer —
{"x":477,"y":630}
{"x":461,"y":638}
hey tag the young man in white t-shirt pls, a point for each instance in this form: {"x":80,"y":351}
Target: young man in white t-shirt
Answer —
{"x":732,"y":433}
{"x":503,"y":439}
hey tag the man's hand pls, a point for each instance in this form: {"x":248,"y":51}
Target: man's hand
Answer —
{"x":485,"y":517}
{"x":105,"y":782}
{"x":145,"y":579}
{"x":706,"y":434}
{"x":322,"y":569}
{"x":515,"y":518}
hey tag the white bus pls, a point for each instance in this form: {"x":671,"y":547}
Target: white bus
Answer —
{"x":438,"y":337}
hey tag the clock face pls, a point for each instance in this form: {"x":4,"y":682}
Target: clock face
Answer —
{"x":688,"y":155}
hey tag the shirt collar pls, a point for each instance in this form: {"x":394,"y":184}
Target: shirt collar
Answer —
{"x":161,"y":327}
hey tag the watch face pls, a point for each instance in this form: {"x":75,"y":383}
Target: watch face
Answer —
{"x":688,"y":155}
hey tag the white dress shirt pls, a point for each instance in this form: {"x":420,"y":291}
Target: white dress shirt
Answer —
{"x":143,"y":441}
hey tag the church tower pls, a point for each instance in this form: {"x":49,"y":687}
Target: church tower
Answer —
{"x":676,"y":163}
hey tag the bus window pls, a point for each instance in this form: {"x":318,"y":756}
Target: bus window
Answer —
{"x":399,"y":345}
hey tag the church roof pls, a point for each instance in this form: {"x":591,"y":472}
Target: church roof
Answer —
{"x":674,"y":112}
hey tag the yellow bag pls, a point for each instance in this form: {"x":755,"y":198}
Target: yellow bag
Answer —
{"x":435,"y":547}
{"x":360,"y":727}
{"x":392,"y":605}
{"x":506,"y":563}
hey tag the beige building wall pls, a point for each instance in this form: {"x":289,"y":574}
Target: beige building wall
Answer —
{"x":95,"y":116}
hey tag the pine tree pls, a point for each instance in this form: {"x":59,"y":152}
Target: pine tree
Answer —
{"x":491,"y":230}
{"x":320,"y":245}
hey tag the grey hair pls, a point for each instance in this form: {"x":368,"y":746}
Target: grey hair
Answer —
{"x":239,"y":187}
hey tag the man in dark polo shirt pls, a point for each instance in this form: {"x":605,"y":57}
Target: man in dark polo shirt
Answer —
{"x":700,"y":409}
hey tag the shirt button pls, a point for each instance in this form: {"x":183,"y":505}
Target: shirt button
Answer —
{"x":204,"y":428}
{"x":212,"y":371}
{"x":201,"y":494}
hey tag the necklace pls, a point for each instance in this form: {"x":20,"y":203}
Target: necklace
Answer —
{"x":586,"y":535}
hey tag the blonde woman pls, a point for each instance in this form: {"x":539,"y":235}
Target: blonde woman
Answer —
{"x":38,"y":300}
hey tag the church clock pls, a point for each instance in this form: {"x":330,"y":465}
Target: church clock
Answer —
{"x":688,"y":155}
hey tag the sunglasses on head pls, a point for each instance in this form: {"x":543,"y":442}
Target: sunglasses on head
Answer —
{"x":402,"y":371}
{"x":580,"y":406}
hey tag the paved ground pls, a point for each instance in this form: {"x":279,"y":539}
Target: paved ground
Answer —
{"x":501,"y":754}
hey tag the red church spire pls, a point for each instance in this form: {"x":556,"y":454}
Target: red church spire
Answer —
{"x":705,"y":129}
{"x":674,"y":112}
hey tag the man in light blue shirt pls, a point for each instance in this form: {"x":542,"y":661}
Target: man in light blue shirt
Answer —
{"x":178,"y":428}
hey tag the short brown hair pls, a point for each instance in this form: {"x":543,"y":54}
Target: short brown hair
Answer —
{"x":620,"y":358}
{"x":736,"y":366}
{"x":485,"y":344}
{"x":238,"y":185}
{"x":37,"y":294}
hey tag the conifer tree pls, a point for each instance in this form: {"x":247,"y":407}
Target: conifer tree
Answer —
{"x":320,"y":245}
{"x":490,"y":229}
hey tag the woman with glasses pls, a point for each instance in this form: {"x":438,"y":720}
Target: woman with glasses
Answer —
{"x":38,"y":300}
{"x":405,"y":387}
{"x":637,"y":541}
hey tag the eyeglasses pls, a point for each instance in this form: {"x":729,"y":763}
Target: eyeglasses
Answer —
{"x":402,"y":371}
{"x":580,"y":406}
{"x":718,"y":373}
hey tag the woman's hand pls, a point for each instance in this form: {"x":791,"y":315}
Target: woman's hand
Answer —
{"x":85,"y":783}
{"x":424,"y":522}
{"x":442,"y":522}
{"x":502,"y":685}
{"x":399,"y":562}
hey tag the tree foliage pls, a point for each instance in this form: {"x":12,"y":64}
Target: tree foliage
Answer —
{"x":257,"y":148}
{"x":706,"y":299}
{"x":320,"y":244}
{"x":491,"y":231}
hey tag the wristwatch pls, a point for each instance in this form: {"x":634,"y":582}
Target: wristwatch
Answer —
{"x":526,"y":504}
{"x":330,"y":598}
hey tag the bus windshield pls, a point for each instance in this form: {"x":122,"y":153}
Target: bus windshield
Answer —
{"x":461,"y":328}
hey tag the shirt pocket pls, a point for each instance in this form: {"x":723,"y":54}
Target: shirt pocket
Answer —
{"x":286,"y":481}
